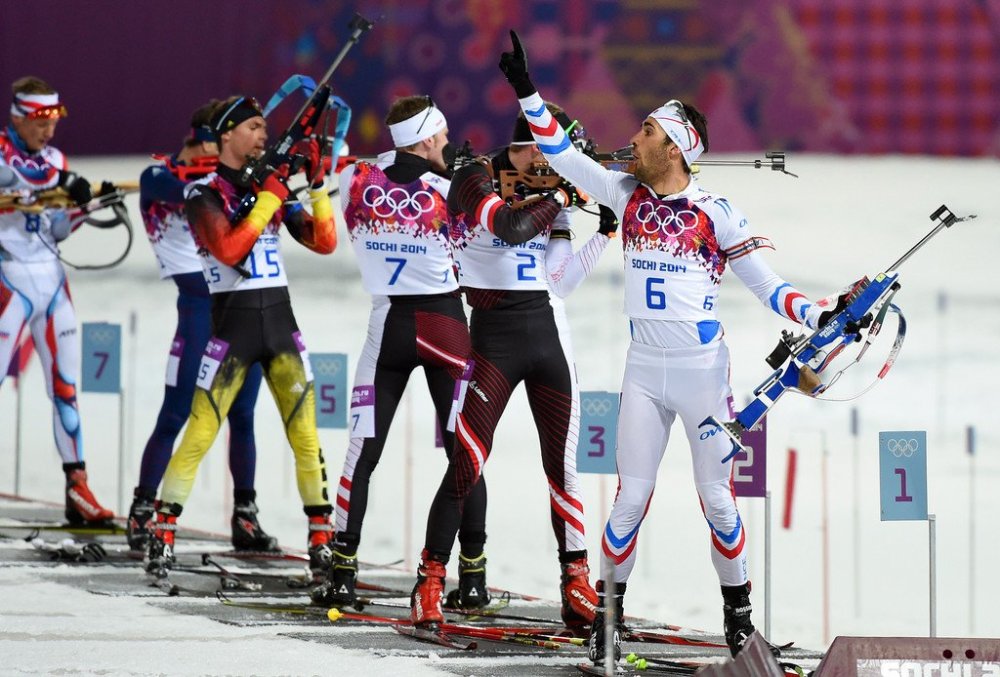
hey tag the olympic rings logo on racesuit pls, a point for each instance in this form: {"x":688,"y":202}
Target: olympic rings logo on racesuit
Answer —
{"x":397,"y":202}
{"x":596,"y":406}
{"x":662,"y":217}
{"x":902,"y":447}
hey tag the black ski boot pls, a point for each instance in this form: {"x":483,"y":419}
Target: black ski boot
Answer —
{"x":736,"y":610}
{"x":471,"y":592}
{"x":338,"y":590}
{"x":597,"y":646}
{"x":139,"y":515}
{"x":247,"y":532}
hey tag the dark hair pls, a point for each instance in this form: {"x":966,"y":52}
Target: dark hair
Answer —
{"x":406,"y":107}
{"x":700,"y":123}
{"x":31,"y":85}
{"x":201,"y":119}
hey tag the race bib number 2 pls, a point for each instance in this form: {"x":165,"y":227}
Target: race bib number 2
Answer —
{"x":211,"y":360}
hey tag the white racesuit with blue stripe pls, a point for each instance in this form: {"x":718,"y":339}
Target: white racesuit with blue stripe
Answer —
{"x":676,"y":250}
{"x":34,"y":294}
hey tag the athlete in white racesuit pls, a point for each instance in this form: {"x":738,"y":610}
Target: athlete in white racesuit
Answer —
{"x":34,"y":293}
{"x":677,"y":239}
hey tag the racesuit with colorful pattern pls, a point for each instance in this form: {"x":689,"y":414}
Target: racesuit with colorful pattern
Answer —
{"x":161,"y":202}
{"x":676,"y":250}
{"x":252,"y":322}
{"x":507,"y":269}
{"x":397,"y":218}
{"x":34,"y":292}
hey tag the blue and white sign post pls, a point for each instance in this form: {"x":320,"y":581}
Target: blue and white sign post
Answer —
{"x":595,"y":452}
{"x":102,"y":373}
{"x":330,"y":381}
{"x":598,"y":433}
{"x":903,"y":481}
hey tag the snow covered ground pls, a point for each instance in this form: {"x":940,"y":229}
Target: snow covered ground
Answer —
{"x":844,"y":218}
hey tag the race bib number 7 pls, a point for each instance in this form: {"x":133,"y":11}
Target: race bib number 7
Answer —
{"x":362,"y":421}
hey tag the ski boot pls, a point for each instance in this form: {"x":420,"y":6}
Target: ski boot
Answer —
{"x":160,"y":550}
{"x":736,"y":611}
{"x":597,"y":645}
{"x":139,"y":515}
{"x":338,"y":590}
{"x":425,"y":600}
{"x":320,"y":552}
{"x":471,"y":592}
{"x":81,"y":506}
{"x":579,"y":601}
{"x":247,"y":532}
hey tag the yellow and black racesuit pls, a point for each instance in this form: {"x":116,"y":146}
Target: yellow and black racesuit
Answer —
{"x":252,"y":322}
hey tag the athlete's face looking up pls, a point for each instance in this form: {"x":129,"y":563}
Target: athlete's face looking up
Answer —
{"x":653,"y":152}
{"x":36,"y":132}
{"x":246,"y":140}
{"x":522,"y":156}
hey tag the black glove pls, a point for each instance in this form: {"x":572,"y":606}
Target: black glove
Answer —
{"x":568,"y":195}
{"x":77,"y":187}
{"x":515,"y":68}
{"x":107,"y":188}
{"x":828,"y":315}
{"x":608,"y":223}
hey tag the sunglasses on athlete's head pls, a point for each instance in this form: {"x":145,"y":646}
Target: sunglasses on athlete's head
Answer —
{"x":678,"y":108}
{"x":44,"y":113}
{"x":243,"y":101}
{"x":430,"y":106}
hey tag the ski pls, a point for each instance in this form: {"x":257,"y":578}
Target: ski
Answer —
{"x":434,"y":636}
{"x":661,"y":638}
{"x":598,"y":670}
{"x":97,"y":529}
{"x":647,"y":663}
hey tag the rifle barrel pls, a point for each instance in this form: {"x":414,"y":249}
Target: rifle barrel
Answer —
{"x":362,"y":25}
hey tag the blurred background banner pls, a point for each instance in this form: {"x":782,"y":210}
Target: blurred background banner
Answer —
{"x":839,"y":76}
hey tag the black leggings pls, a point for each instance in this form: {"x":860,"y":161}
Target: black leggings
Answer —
{"x":511,"y":346}
{"x":418,"y":331}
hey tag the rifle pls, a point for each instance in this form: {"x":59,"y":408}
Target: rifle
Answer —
{"x":798,"y":360}
{"x":303,"y":124}
{"x":58,"y":198}
{"x":621,"y":160}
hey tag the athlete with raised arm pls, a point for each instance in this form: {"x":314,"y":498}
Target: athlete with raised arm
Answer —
{"x":677,"y":239}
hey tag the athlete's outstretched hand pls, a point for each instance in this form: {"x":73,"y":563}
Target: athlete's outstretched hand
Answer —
{"x":514,"y":65}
